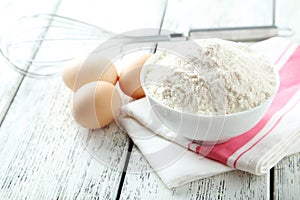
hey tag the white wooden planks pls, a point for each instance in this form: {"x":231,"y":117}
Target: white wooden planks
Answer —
{"x":182,"y":16}
{"x":10,"y":11}
{"x":288,"y":13}
{"x":287,"y":178}
{"x":115,"y":15}
{"x":42,"y":152}
{"x":44,"y":156}
{"x":145,"y":184}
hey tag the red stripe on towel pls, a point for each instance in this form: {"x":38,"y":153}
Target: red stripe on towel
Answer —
{"x":236,"y":160}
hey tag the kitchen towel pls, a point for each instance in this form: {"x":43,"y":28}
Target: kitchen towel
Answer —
{"x":177,"y":160}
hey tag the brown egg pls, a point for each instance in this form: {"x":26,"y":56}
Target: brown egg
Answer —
{"x":96,"y":104}
{"x":83,"y":70}
{"x":129,"y":79}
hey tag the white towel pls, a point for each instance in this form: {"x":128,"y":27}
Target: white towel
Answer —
{"x":178,"y":161}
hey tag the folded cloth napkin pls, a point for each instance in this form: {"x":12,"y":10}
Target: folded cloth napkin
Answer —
{"x":178,"y":160}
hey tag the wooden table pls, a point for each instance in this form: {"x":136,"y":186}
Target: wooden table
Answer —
{"x":44,"y":156}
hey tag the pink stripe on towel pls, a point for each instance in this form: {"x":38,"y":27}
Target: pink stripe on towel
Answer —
{"x":239,"y":156}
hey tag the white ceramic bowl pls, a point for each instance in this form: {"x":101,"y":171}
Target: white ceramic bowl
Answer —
{"x":205,"y":128}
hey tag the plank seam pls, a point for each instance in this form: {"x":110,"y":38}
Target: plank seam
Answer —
{"x":23,"y":76}
{"x":130,"y":146}
{"x":161,"y":23}
{"x":271,"y":184}
{"x":130,"y":141}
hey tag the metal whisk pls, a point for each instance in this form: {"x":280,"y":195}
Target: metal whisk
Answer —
{"x":39,"y":45}
{"x":57,"y":39}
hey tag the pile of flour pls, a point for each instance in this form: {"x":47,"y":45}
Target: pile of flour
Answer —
{"x":222,"y":77}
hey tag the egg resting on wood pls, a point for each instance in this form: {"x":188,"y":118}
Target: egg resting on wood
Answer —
{"x":96,"y":104}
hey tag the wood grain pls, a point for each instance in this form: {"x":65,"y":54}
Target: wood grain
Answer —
{"x":288,"y":11}
{"x":10,"y":11}
{"x":43,"y":153}
{"x":182,"y":16}
{"x":145,"y":184}
{"x":287,"y":178}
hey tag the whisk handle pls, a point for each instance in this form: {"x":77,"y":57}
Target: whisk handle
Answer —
{"x":159,"y":38}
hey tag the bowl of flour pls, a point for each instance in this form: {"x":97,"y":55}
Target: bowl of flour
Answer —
{"x":220,"y":91}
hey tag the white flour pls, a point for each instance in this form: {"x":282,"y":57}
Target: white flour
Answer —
{"x":225,"y":77}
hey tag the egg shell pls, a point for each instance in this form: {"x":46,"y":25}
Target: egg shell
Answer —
{"x":82,"y":70}
{"x":96,"y":104}
{"x":129,"y":79}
